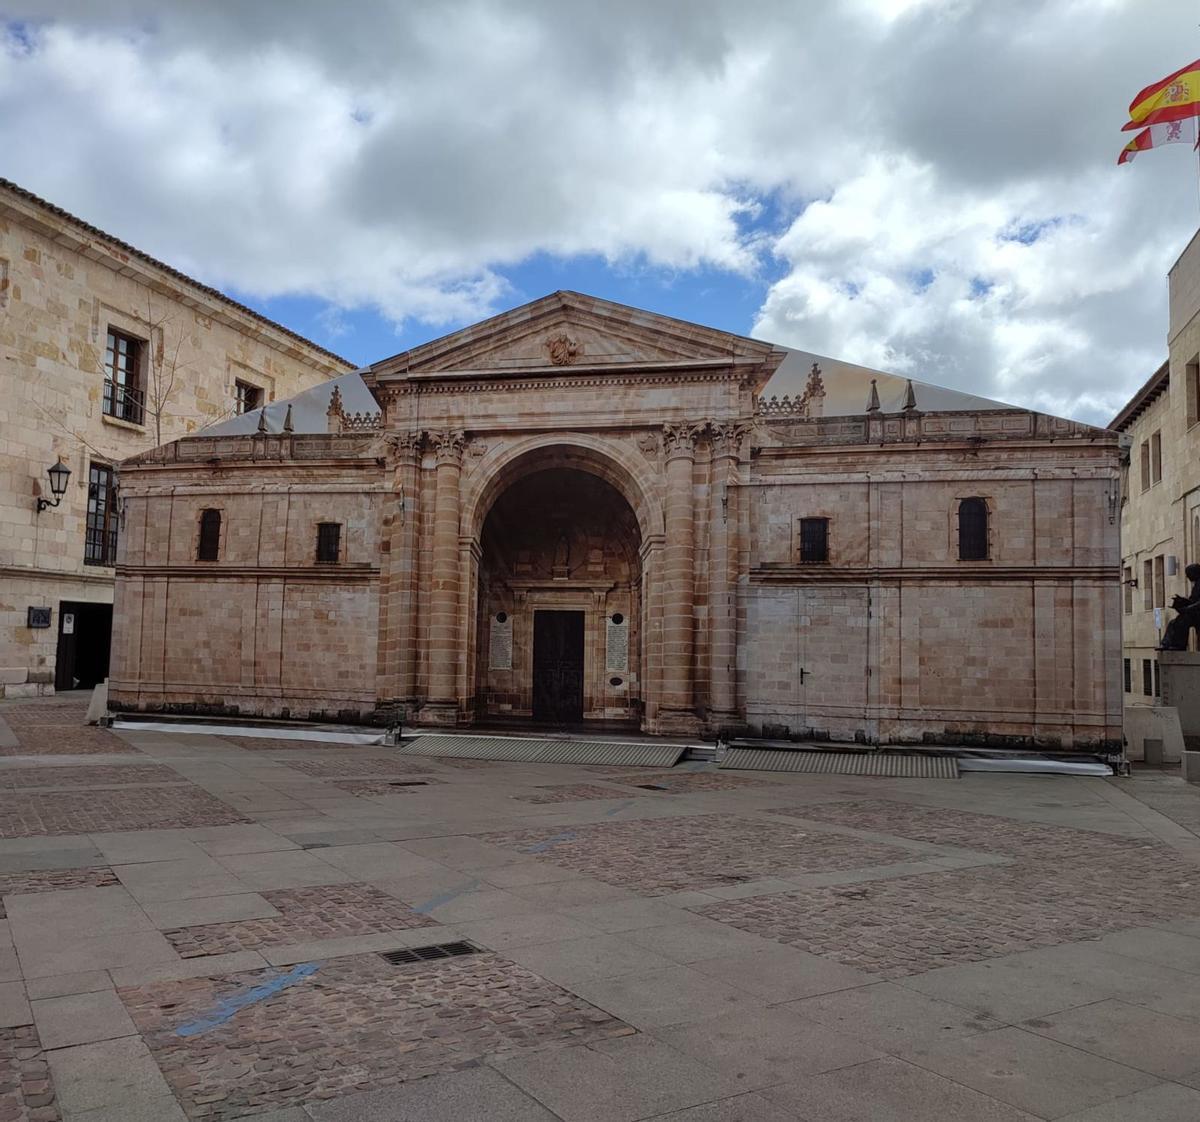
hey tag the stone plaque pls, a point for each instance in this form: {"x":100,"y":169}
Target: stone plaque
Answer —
{"x":500,"y":648}
{"x":38,"y":617}
{"x":617,"y":645}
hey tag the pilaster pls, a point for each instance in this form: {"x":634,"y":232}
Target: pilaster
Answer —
{"x":727,"y":439}
{"x":445,"y":641}
{"x":677,"y":712}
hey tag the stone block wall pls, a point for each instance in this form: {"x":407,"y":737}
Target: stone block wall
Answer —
{"x":264,"y":629}
{"x":62,"y":286}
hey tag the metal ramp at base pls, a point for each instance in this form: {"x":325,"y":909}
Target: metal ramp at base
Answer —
{"x":885,"y":764}
{"x":537,"y":750}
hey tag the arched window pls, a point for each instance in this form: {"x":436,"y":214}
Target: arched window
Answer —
{"x":973,"y":530}
{"x":210,"y":535}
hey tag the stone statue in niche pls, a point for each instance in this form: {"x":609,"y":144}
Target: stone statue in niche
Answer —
{"x":562,"y":557}
{"x":1175,"y":637}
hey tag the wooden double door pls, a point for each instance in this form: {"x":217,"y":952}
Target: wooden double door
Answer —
{"x":558,"y":667}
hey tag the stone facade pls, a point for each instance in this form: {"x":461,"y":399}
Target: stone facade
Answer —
{"x":64,"y":286}
{"x":583,"y":513}
{"x":1160,"y":500}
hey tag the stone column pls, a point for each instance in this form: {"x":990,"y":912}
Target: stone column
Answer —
{"x":445,"y":641}
{"x":678,"y":712}
{"x":397,"y":653}
{"x":723,"y":574}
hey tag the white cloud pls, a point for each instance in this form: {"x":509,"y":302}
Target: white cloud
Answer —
{"x":401,"y":156}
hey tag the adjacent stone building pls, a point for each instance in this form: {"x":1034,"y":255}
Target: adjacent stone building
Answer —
{"x":1160,"y":504}
{"x":104,"y":353}
{"x":583,"y":514}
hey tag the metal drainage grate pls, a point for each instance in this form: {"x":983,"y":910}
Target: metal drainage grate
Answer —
{"x":428,"y":954}
{"x":407,"y":783}
{"x":651,"y":786}
{"x":839,"y":762}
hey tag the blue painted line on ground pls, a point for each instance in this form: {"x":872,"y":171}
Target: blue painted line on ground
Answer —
{"x":230,"y":1006}
{"x":446,"y":897}
{"x":549,"y":843}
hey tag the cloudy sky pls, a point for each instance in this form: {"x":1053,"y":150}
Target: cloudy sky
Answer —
{"x":924,"y":186}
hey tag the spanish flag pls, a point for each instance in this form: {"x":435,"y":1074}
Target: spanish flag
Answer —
{"x":1173,"y":132}
{"x":1175,"y":98}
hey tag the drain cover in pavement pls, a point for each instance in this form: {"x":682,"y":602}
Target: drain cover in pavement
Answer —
{"x":428,"y":954}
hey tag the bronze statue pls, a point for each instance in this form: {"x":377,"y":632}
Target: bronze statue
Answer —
{"x":1175,"y":638}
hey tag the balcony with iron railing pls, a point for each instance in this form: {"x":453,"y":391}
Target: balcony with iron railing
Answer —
{"x":125,"y":403}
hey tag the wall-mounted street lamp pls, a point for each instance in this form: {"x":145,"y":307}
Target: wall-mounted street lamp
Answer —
{"x":59,"y":474}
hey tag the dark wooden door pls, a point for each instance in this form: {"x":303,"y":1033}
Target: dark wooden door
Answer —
{"x":84,"y":639}
{"x":558,"y":667}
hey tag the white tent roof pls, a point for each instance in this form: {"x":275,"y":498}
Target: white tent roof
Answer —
{"x":308,"y":409}
{"x":848,"y":387}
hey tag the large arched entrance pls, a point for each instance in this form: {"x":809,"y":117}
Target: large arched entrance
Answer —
{"x":559,"y":605}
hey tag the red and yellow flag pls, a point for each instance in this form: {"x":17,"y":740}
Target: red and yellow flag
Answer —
{"x":1175,"y":98}
{"x":1155,"y":136}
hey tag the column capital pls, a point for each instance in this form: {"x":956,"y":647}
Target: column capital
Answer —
{"x":680,"y":437}
{"x":727,"y":437}
{"x":404,"y":445}
{"x":449,"y":445}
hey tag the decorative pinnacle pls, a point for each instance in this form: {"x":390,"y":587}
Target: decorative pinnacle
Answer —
{"x":873,"y":398}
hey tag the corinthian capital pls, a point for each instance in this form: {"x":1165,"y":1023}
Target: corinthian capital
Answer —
{"x":404,"y":445}
{"x":449,"y":445}
{"x":679,"y":438}
{"x":727,"y":437}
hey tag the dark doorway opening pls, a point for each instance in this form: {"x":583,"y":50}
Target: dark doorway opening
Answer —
{"x":558,"y":667}
{"x":84,"y":639}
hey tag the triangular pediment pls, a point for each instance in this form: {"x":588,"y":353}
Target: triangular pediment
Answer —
{"x":567,"y":331}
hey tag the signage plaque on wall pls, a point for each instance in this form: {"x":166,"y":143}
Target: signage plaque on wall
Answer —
{"x":617,"y":645}
{"x":500,"y":646}
{"x":38,"y":617}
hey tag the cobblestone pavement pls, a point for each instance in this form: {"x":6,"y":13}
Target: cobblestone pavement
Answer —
{"x":332,"y":911}
{"x":114,"y":775}
{"x":357,"y":1022}
{"x":1063,"y":885}
{"x":270,"y":744}
{"x":465,"y":764}
{"x":31,"y":814}
{"x":53,"y":880}
{"x":684,"y":782}
{"x":42,"y":739}
{"x":356,"y":766}
{"x":369,"y":786}
{"x":985,"y":832}
{"x":656,"y":856}
{"x":26,"y":1091}
{"x":782,"y":947}
{"x":64,"y":713}
{"x":574,"y":792}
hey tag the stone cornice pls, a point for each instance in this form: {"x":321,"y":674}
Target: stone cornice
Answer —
{"x":573,"y":312}
{"x":964,"y":572}
{"x":497,"y":381}
{"x":216,"y":570}
{"x":94,"y":574}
